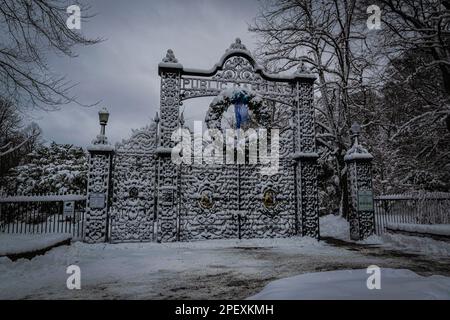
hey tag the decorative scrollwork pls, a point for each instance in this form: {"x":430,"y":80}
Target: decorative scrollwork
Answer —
{"x":238,"y":68}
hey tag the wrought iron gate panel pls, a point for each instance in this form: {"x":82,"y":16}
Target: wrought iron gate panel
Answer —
{"x":267,"y":202}
{"x":208,"y":202}
{"x":134,"y":180}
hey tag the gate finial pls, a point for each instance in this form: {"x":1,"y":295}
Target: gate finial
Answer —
{"x":237,"y":45}
{"x":170,"y":57}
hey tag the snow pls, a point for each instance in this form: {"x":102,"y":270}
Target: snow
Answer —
{"x":419,"y":196}
{"x":335,"y":227}
{"x":352,"y":284}
{"x":436,"y":229}
{"x":213,"y":269}
{"x":338,"y":228}
{"x":420,"y":245}
{"x":22,"y":243}
{"x":44,"y":198}
{"x":153,"y":270}
{"x":357,"y":152}
{"x":358,"y":156}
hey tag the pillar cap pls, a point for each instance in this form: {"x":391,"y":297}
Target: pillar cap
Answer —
{"x":357,"y":152}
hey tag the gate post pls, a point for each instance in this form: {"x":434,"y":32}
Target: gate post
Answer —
{"x":305,"y":153}
{"x":359,"y":175}
{"x":98,"y":189}
{"x":170,"y":72}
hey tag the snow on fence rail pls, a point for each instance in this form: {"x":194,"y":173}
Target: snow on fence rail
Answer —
{"x":417,"y":196}
{"x":44,"y":198}
{"x":421,"y":208}
{"x":50,"y":213}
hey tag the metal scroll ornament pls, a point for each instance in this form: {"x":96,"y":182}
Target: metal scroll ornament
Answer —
{"x":133,"y":193}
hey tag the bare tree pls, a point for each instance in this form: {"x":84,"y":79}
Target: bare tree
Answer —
{"x":30,"y":30}
{"x":16,"y":140}
{"x":325,"y":35}
{"x":422,"y":27}
{"x":418,"y":25}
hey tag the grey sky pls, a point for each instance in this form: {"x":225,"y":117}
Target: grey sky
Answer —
{"x":122,"y":71}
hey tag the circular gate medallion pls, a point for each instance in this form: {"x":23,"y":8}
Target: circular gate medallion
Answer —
{"x":269,"y":198}
{"x":133,"y":193}
{"x":206,"y":199}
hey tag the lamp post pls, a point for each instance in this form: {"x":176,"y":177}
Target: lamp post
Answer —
{"x":355,"y":131}
{"x":103,"y":116}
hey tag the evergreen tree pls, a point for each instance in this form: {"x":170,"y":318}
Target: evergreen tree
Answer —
{"x":58,"y":168}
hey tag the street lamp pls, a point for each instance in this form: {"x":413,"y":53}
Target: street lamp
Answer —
{"x":103,"y":116}
{"x":355,"y":131}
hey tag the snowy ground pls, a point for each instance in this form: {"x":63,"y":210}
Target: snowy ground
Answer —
{"x":338,"y":228}
{"x":20,"y":243}
{"x":222,"y":269}
{"x":436,"y":229}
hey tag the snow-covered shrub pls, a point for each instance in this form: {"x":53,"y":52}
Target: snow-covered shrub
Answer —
{"x":58,"y":168}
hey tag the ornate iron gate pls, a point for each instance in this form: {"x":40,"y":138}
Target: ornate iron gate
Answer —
{"x":154,"y":199}
{"x":150,"y":197}
{"x":133,"y":210}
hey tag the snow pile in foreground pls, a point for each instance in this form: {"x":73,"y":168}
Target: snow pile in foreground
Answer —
{"x":436,"y":229}
{"x":335,"y":227}
{"x":352,"y":284}
{"x":21,"y":243}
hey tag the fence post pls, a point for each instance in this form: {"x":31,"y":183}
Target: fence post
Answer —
{"x":359,"y":175}
{"x":99,"y":186}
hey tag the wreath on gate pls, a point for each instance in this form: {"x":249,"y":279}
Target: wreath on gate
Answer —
{"x":234,"y":96}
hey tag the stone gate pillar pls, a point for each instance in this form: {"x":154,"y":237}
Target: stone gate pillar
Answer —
{"x":99,"y":186}
{"x":305,"y":154}
{"x":170,"y":72}
{"x":359,"y":175}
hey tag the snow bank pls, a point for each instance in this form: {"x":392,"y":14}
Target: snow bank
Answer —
{"x":436,"y":229}
{"x":420,"y":245}
{"x":22,"y":243}
{"x":339,"y":228}
{"x":335,"y":227}
{"x":351,"y":284}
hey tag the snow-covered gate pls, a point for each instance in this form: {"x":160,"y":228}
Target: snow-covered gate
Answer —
{"x":237,"y":201}
{"x":133,"y":205}
{"x":230,"y":200}
{"x":136,"y":192}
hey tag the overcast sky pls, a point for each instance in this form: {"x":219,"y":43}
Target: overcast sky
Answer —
{"x":121,"y":72}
